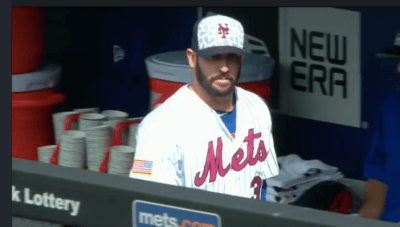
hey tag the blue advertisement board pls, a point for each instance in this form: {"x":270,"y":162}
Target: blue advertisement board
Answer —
{"x":146,"y":214}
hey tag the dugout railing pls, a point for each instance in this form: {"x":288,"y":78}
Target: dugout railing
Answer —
{"x":106,"y":201}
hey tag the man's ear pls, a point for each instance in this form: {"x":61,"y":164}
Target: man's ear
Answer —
{"x":191,"y":55}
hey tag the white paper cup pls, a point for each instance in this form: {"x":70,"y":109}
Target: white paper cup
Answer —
{"x":45,"y":153}
{"x":121,"y":160}
{"x":115,"y":114}
{"x":123,"y":149}
{"x":111,"y":123}
{"x":90,"y":120}
{"x":73,"y":134}
{"x":98,"y":140}
{"x":87,"y":110}
{"x":72,"y":149}
{"x":58,"y":123}
{"x":93,"y":116}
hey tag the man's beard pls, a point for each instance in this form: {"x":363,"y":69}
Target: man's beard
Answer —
{"x":207,"y":85}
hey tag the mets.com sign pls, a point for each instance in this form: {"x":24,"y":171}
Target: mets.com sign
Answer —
{"x":147,"y":214}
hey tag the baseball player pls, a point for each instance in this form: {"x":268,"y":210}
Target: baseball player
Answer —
{"x":381,"y":167}
{"x":210,"y":135}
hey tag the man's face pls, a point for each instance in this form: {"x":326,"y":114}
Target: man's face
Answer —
{"x":219,"y":74}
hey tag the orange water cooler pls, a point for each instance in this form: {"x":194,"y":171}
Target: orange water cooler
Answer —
{"x":170,"y":71}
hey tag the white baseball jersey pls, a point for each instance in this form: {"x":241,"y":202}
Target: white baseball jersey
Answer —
{"x":184,"y":142}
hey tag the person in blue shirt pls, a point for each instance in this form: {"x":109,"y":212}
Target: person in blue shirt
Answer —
{"x":382,"y":164}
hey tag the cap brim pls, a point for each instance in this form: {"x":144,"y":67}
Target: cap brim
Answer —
{"x":390,"y":52}
{"x":209,"y":52}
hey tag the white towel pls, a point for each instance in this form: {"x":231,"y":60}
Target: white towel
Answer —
{"x":294,"y":171}
{"x":291,"y":196}
{"x":274,"y":190}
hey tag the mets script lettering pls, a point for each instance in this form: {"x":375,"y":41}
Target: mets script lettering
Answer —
{"x":223,"y":31}
{"x":214,"y":164}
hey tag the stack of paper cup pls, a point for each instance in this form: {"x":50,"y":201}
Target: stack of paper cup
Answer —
{"x":87,"y":110}
{"x":45,"y":153}
{"x":72,"y":149}
{"x":98,"y":140}
{"x":89,"y":120}
{"x":115,"y":114}
{"x":121,"y":160}
{"x":125,"y":132}
{"x":58,"y":123}
{"x":112,"y":123}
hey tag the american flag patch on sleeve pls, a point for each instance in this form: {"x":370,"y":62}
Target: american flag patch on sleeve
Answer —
{"x":142,"y":167}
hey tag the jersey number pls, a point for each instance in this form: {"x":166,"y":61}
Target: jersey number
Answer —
{"x":260,"y":188}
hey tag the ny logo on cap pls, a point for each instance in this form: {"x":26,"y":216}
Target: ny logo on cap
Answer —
{"x":223,"y":31}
